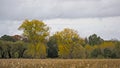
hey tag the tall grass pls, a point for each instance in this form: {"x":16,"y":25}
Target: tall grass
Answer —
{"x":59,"y":63}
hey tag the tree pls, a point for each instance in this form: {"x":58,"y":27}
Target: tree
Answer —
{"x":69,"y":43}
{"x":1,"y":49}
{"x":107,"y":53}
{"x":117,"y":50}
{"x":95,"y":40}
{"x":107,"y":48}
{"x":7,"y":38}
{"x":95,"y":53}
{"x":52,"y":49}
{"x":88,"y":49}
{"x":36,"y":32}
{"x":18,"y":48}
{"x":5,"y":49}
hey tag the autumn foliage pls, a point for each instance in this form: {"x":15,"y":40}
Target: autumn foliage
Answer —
{"x":36,"y":42}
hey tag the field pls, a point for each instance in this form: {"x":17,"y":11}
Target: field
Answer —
{"x":59,"y":63}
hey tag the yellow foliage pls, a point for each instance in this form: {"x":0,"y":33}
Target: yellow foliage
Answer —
{"x":69,"y":43}
{"x":109,"y":45}
{"x":41,"y":50}
{"x":37,"y":51}
{"x":89,"y":48}
{"x":36,"y":32}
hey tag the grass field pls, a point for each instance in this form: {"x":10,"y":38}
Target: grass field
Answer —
{"x":59,"y":63}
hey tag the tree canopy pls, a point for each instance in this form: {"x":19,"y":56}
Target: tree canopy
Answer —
{"x":35,"y":42}
{"x":36,"y":31}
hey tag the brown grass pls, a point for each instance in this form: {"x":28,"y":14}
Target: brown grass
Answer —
{"x":59,"y":63}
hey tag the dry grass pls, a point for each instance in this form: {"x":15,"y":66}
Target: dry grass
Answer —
{"x":59,"y":63}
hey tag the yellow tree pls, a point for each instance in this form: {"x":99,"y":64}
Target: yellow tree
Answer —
{"x":88,"y":49}
{"x":69,"y":43}
{"x":107,"y":44}
{"x":36,"y":32}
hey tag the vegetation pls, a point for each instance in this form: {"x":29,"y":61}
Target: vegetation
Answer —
{"x":35,"y":42}
{"x":69,"y":44}
{"x":60,"y":63}
{"x":36,"y":32}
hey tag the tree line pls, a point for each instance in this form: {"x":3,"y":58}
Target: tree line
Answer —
{"x":36,"y":42}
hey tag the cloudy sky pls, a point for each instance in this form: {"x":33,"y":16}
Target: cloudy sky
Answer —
{"x":86,"y":16}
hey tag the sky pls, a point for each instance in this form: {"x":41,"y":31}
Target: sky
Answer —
{"x":101,"y":17}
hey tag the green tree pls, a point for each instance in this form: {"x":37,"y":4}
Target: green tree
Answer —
{"x":69,"y":44}
{"x":117,"y":49}
{"x":95,"y":40}
{"x":52,"y":50}
{"x":18,"y":48}
{"x":36,"y":32}
{"x":107,"y":53}
{"x":1,"y":49}
{"x":7,"y":38}
{"x":5,"y":49}
{"x":95,"y":53}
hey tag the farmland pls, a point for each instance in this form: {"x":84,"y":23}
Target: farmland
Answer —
{"x":59,"y":63}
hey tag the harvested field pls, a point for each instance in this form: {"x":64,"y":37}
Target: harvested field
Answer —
{"x":59,"y":63}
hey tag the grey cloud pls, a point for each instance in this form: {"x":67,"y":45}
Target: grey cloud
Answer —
{"x":86,"y":16}
{"x":9,"y":27}
{"x":107,"y":28}
{"x":47,"y":9}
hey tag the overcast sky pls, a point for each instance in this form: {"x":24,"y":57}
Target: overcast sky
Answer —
{"x":86,"y":16}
